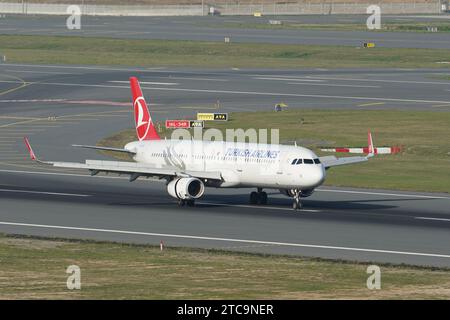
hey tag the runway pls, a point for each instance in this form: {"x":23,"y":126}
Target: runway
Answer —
{"x":90,"y":103}
{"x":217,"y":28}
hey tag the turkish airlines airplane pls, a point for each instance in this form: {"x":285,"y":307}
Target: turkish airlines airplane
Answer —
{"x":189,"y":166}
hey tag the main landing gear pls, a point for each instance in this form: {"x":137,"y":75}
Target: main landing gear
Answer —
{"x":189,"y":203}
{"x":297,"y":203}
{"x":259,"y":197}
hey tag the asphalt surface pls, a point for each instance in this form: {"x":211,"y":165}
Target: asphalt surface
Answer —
{"x":217,"y":28}
{"x":90,"y":103}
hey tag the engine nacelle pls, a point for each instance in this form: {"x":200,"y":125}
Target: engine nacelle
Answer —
{"x":186,"y":188}
{"x":291,"y":192}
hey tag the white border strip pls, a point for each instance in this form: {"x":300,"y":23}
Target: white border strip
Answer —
{"x":286,"y":244}
{"x":384,"y":194}
{"x":43,"y":192}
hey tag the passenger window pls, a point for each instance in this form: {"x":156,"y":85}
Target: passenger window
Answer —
{"x":309,"y":161}
{"x":299,"y":161}
{"x":316,"y":161}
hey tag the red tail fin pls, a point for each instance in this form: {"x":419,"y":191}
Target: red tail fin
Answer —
{"x":30,"y":149}
{"x":371,"y":148}
{"x":145,"y":129}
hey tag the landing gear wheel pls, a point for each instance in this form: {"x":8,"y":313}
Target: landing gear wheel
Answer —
{"x":190,"y":203}
{"x":297,"y":204}
{"x":262,"y":198}
{"x":181,"y":203}
{"x":254,"y":197}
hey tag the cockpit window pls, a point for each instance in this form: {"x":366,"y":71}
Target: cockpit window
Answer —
{"x":299,"y":161}
{"x":316,"y":161}
{"x":309,"y":161}
{"x":294,"y":161}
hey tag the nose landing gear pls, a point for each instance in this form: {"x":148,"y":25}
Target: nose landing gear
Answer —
{"x":259,"y":197}
{"x":297,"y":204}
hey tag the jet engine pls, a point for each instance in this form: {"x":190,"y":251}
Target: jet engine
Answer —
{"x":291,"y":192}
{"x":186,"y":188}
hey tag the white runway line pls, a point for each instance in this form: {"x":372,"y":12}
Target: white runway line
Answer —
{"x":381,"y":80}
{"x":199,"y":79}
{"x":333,"y":85}
{"x":62,"y":174}
{"x":384,"y":194}
{"x":250,"y":93}
{"x":288,"y":79}
{"x":319,"y":189}
{"x":47,"y":193}
{"x":327,"y":78}
{"x":434,"y":219}
{"x":146,"y":82}
{"x":262,"y":242}
{"x":44,"y":72}
{"x":256,"y":207}
{"x":81,"y":67}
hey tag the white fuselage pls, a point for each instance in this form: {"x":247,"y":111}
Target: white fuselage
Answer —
{"x":240,"y":164}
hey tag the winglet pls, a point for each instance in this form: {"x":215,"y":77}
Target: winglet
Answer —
{"x":30,"y":150}
{"x":370,"y":144}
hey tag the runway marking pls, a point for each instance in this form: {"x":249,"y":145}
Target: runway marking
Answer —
{"x":436,"y":219}
{"x":248,"y":93}
{"x":319,"y":190}
{"x":144,"y":82}
{"x":67,"y":119}
{"x":21,"y":86}
{"x":45,"y":72}
{"x":255,"y":207}
{"x":288,"y":79}
{"x":67,"y":101}
{"x":19,"y":118}
{"x":384,"y":194}
{"x":85,"y":67}
{"x":199,"y":79}
{"x":333,"y":85}
{"x":379,"y":80}
{"x":60,"y":173}
{"x":47,"y":193}
{"x":19,"y":122}
{"x":371,"y":104}
{"x":178,"y":236}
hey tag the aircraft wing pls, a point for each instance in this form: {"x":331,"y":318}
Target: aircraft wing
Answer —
{"x":133,"y":169}
{"x":332,"y":161}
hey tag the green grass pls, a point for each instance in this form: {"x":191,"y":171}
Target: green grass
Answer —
{"x":424,"y":165}
{"x":86,"y":50}
{"x":35,"y":269}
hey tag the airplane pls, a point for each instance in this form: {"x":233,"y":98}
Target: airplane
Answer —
{"x":188,"y":166}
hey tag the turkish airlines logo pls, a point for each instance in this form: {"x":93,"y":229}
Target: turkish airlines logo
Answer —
{"x":142,"y":117}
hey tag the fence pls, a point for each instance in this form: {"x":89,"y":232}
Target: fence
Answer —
{"x":226,"y":8}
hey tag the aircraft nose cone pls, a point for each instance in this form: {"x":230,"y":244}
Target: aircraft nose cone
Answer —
{"x":316,"y":176}
{"x":321,"y":175}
